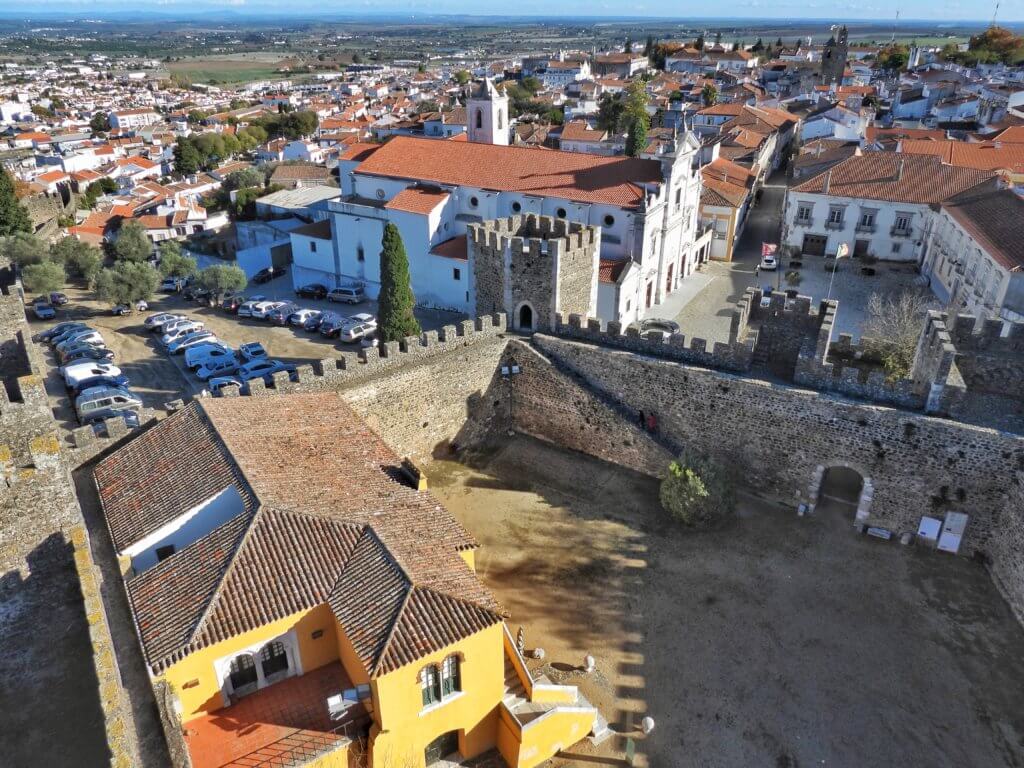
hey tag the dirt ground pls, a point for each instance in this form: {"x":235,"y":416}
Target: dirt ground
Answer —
{"x":776,"y":641}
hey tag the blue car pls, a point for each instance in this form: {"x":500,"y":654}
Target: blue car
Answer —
{"x":100,"y":381}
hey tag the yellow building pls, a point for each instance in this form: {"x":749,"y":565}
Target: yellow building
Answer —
{"x":307,"y":603}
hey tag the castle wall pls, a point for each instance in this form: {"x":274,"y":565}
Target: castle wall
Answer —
{"x":776,"y":437}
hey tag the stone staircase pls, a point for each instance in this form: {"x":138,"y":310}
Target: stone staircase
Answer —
{"x":515,"y":692}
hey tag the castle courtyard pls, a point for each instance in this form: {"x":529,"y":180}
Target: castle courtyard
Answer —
{"x":775,"y":641}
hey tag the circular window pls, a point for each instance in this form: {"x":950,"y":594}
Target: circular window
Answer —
{"x":474,"y":202}
{"x":609,"y":220}
{"x":516,"y":207}
{"x":560,"y":213}
{"x":380,"y":194}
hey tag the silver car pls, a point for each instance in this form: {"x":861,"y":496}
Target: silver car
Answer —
{"x":98,"y":403}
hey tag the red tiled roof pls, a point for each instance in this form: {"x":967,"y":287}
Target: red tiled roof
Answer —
{"x":995,"y":220}
{"x":453,"y":248}
{"x":337,"y":526}
{"x":986,"y":156}
{"x":417,"y":200}
{"x":610,"y":269}
{"x":895,"y":177}
{"x":571,"y":175}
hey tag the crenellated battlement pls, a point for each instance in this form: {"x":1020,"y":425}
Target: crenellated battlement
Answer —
{"x":533,"y":234}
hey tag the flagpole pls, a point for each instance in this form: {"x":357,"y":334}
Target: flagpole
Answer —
{"x":841,"y":251}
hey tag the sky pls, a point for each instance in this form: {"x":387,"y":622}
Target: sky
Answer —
{"x":931,"y":10}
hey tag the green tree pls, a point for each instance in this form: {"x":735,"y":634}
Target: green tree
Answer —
{"x":699,"y":43}
{"x":222,"y":278}
{"x":462,"y":77}
{"x":173,"y":263}
{"x":709,"y":95}
{"x":126,"y":283}
{"x":396,"y":301}
{"x":132,"y":244}
{"x":23,"y":249}
{"x":99,"y":123}
{"x":609,"y":113}
{"x":187,"y":158}
{"x":247,"y":177}
{"x":357,"y":58}
{"x":13,"y":216}
{"x":627,"y":46}
{"x":636,"y":138}
{"x":80,"y":258}
{"x":531,"y":85}
{"x":697,"y":491}
{"x":43,"y":277}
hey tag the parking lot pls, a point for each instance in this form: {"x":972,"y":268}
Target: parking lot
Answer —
{"x":158,"y":378}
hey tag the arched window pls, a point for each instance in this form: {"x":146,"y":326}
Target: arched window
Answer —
{"x":479,"y":118}
{"x":451,"y":682}
{"x":273,"y":659}
{"x":430,"y":683}
{"x":500,"y":126}
{"x":243,"y":673}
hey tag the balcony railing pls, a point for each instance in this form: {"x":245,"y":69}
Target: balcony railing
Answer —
{"x":901,"y":232}
{"x":804,"y":223}
{"x":868,"y":228}
{"x":835,"y":224}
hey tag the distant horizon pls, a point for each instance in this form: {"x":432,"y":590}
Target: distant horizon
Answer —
{"x":238,"y":11}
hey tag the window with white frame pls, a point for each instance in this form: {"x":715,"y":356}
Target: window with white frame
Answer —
{"x":902,"y":222}
{"x":243,"y":675}
{"x":430,"y":685}
{"x":867,"y":217}
{"x":450,"y":679}
{"x":803,"y":212}
{"x":273,"y":659}
{"x":835,"y":214}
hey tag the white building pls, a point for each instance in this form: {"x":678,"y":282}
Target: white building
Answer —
{"x":129,"y":119}
{"x":878,"y":204}
{"x":431,"y":190}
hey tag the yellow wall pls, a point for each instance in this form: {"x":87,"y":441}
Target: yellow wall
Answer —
{"x":469,"y":556}
{"x":194,"y":678}
{"x":555,"y":731}
{"x":405,"y":729}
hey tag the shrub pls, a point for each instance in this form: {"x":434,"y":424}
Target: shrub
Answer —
{"x":697,"y":491}
{"x":44,"y":277}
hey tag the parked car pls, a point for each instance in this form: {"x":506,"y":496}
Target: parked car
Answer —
{"x":100,"y":381}
{"x":332,"y":325}
{"x":179,"y":332}
{"x":252,"y":351}
{"x":312,"y":291}
{"x":80,"y":371}
{"x":245,"y":308}
{"x":218,"y":384}
{"x":102,"y":402}
{"x":299,"y":317}
{"x":85,"y":351}
{"x":220,"y":366}
{"x":89,"y":337}
{"x":195,"y":293}
{"x":769,"y":262}
{"x":58,"y":299}
{"x":121,"y":309}
{"x":261,"y":309}
{"x":43,"y":309}
{"x":232,"y":301}
{"x":70,"y":332}
{"x":279,"y":315}
{"x":358,"y":327}
{"x":649,"y":324}
{"x":178,"y":346}
{"x":183,"y":322}
{"x":155,"y":322}
{"x":142,"y":305}
{"x":265,"y":369}
{"x":348,"y":294}
{"x":312,"y":323}
{"x":50,"y":333}
{"x":268,"y":274}
{"x":198,"y":354}
{"x":173,"y":284}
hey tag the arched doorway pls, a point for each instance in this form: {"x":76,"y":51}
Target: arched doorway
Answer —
{"x":842,"y":487}
{"x":525,"y":317}
{"x":668,"y":280}
{"x":444,"y":745}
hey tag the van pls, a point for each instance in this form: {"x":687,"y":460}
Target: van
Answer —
{"x":99,"y":403}
{"x":348,"y":294}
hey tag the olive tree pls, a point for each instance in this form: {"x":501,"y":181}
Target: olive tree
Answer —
{"x":222,"y":278}
{"x":127,"y":282}
{"x":697,"y":491}
{"x":43,"y":277}
{"x":132,"y":243}
{"x":173,"y":263}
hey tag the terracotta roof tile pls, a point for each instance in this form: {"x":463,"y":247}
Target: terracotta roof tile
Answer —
{"x":417,"y":200}
{"x":571,"y":175}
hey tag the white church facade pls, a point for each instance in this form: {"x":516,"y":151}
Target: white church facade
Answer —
{"x":433,"y":189}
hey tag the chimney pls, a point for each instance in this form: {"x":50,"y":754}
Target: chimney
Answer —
{"x":899,"y":170}
{"x":828,"y":182}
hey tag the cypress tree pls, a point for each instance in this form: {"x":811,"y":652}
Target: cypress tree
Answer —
{"x":395,"y":319}
{"x":13,"y":216}
{"x":636,"y":139}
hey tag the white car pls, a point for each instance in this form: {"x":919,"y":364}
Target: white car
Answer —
{"x":199,"y":354}
{"x":299,"y":317}
{"x":79,"y":372}
{"x":358,"y":327}
{"x":173,"y":325}
{"x":85,"y":337}
{"x":178,"y":332}
{"x":160,"y":319}
{"x":178,"y":346}
{"x":769,"y":263}
{"x":245,"y":308}
{"x":263,"y":308}
{"x":219,"y":366}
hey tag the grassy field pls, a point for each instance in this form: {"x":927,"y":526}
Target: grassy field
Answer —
{"x":227,"y":69}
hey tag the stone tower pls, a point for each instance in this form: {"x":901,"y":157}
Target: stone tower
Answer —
{"x":833,"y":58}
{"x":487,"y":114}
{"x":533,"y":267}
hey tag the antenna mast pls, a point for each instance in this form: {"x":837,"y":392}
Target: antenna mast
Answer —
{"x":894,"y":27}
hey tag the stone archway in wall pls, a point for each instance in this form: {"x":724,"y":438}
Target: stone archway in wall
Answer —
{"x":844,"y":484}
{"x":525,"y":318}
